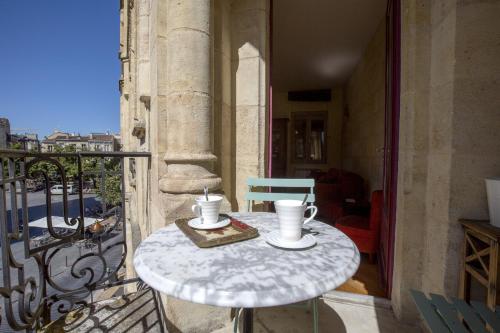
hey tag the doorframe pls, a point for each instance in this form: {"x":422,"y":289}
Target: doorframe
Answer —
{"x":270,"y":83}
{"x":395,"y":114}
{"x":394,"y":86}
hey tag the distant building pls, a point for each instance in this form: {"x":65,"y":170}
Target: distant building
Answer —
{"x":91,"y":142}
{"x":102,"y":142}
{"x":28,"y":141}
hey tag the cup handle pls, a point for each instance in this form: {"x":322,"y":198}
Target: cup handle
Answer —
{"x":313,"y":214}
{"x":196,"y":210}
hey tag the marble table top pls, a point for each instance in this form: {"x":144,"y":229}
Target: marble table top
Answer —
{"x":247,"y":274}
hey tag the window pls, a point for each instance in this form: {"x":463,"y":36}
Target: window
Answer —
{"x":309,"y":136}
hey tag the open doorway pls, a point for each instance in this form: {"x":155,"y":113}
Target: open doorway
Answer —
{"x":332,"y":119}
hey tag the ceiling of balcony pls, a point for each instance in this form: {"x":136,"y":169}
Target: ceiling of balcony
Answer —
{"x":318,"y":43}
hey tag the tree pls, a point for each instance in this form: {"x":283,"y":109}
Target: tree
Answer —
{"x":69,"y":165}
{"x":91,"y":166}
{"x":111,"y":192}
{"x":16,"y":145}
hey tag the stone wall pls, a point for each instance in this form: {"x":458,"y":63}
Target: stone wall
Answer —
{"x":283,"y":108}
{"x":223,"y":111}
{"x":449,"y":139}
{"x":127,"y":113}
{"x":363,"y":121}
{"x":249,"y":92}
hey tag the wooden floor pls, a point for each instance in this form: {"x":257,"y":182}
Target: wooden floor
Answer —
{"x":365,"y":281}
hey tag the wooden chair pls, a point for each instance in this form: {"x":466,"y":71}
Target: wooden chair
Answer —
{"x":263,"y":194}
{"x":456,"y":316}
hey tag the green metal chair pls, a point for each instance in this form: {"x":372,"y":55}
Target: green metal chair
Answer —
{"x":264,"y":184}
{"x":455,"y":315}
{"x":263,"y":194}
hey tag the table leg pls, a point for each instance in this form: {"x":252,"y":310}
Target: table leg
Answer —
{"x":247,"y":320}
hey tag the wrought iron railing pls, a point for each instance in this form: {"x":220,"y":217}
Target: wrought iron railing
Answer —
{"x":53,"y":264}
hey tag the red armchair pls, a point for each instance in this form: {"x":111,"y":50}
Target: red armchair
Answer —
{"x":338,"y":192}
{"x":365,"y":232}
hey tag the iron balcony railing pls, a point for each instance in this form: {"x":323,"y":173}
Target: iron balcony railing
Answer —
{"x":52,"y":264}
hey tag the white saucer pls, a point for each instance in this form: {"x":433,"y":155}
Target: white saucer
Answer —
{"x":197,"y":224}
{"x":274,"y":238}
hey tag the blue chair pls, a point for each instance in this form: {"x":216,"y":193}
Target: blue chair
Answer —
{"x":307,"y":186}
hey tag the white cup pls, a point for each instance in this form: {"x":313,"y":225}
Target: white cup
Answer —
{"x":291,"y":218}
{"x":207,"y":211}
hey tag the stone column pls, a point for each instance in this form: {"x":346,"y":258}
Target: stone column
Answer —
{"x":187,"y":133}
{"x":189,"y":154}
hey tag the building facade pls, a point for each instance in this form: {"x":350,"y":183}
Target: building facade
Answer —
{"x":195,"y":92}
{"x":92,"y":142}
{"x":27,"y":141}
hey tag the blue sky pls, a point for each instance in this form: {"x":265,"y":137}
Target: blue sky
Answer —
{"x":59,"y":65}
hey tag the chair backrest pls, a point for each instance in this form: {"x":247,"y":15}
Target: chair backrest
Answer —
{"x":307,"y":186}
{"x":351,"y":186}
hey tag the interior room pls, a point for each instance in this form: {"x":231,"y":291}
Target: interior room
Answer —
{"x":328,"y":91}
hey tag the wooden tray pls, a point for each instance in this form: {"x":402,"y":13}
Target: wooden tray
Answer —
{"x":237,"y":231}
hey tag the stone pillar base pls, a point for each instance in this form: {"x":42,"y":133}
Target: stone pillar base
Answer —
{"x":188,"y":178}
{"x":187,"y":317}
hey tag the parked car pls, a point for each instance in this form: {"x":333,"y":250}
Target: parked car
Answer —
{"x":58,"y":189}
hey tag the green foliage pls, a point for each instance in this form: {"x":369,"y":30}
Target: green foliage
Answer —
{"x":69,"y":164}
{"x":110,"y":191}
{"x":16,"y":145}
{"x":92,"y":167}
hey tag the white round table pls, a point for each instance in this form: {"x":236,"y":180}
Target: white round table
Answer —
{"x":247,"y":274}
